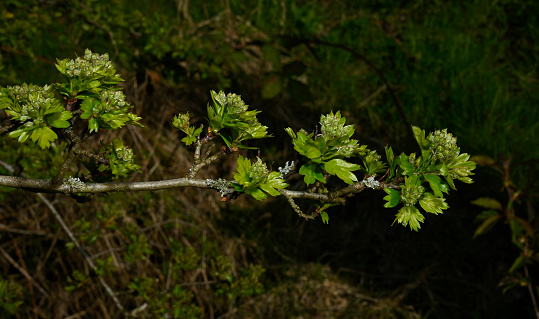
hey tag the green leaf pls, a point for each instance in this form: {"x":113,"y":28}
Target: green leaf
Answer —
{"x":256,"y":192}
{"x":325,"y":217}
{"x":450,"y":182}
{"x":312,"y":152}
{"x":409,"y":215}
{"x":405,"y":165}
{"x":188,"y":140}
{"x":93,"y":125}
{"x":424,"y":144}
{"x":342,"y":169}
{"x":272,"y":183}
{"x":312,"y":172}
{"x":433,"y":204}
{"x":44,"y":136}
{"x":486,"y":214}
{"x":486,"y":225}
{"x":518,"y":263}
{"x":435,"y":183}
{"x":59,"y":119}
{"x":487,"y":202}
{"x":393,"y":198}
{"x":88,"y":108}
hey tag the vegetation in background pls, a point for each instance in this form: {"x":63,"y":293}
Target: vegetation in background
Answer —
{"x":470,"y":67}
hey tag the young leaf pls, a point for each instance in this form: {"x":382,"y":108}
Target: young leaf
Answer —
{"x":409,"y":215}
{"x":312,"y":172}
{"x":435,"y":183}
{"x":256,"y":192}
{"x":272,"y":183}
{"x":424,"y":144}
{"x":433,"y":204}
{"x":44,"y":136}
{"x":486,"y":225}
{"x":325,"y":217}
{"x":393,"y":197}
{"x":342,"y":169}
{"x":59,"y":119}
{"x":487,"y":202}
{"x":405,"y":165}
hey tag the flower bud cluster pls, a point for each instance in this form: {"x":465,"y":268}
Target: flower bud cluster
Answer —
{"x":332,"y":126}
{"x":372,"y":157}
{"x":34,"y":102}
{"x":181,"y":121}
{"x":222,"y":185}
{"x":125,"y":154}
{"x":21,"y":93}
{"x":411,"y":194}
{"x":232,"y":102}
{"x":258,"y":170}
{"x":111,"y":99}
{"x":87,"y":66}
{"x":443,"y":145}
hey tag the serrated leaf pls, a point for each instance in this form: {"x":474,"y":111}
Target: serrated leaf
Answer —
{"x":87,"y":106}
{"x":59,"y":119}
{"x":312,"y":172}
{"x":342,"y":169}
{"x":405,"y":165}
{"x":273,"y":182}
{"x":257,"y":193}
{"x":409,"y":215}
{"x":432,"y":204}
{"x":487,"y":202}
{"x":424,"y":144}
{"x":325,"y":217}
{"x":435,"y":183}
{"x":393,"y":197}
{"x":188,"y":140}
{"x":450,"y":182}
{"x":93,"y":125}
{"x":486,"y":225}
{"x":44,"y":136}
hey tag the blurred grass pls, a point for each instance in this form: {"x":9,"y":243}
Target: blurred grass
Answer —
{"x":469,"y":66}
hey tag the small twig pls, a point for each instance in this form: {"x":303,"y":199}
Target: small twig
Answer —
{"x":297,"y":209}
{"x":199,"y":164}
{"x":24,"y":231}
{"x":23,"y":272}
{"x":532,"y":294}
{"x":56,"y":180}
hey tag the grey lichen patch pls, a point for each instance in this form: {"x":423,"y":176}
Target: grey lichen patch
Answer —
{"x":222,"y":185}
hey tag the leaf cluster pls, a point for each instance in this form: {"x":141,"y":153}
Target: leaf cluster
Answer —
{"x":256,"y":180}
{"x":326,"y":152}
{"x":115,"y":161}
{"x":37,"y":110}
{"x":230,"y":119}
{"x":423,"y":184}
{"x":181,"y":122}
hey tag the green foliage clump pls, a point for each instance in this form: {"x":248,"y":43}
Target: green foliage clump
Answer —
{"x":230,"y":119}
{"x":440,"y":156}
{"x":256,"y":180}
